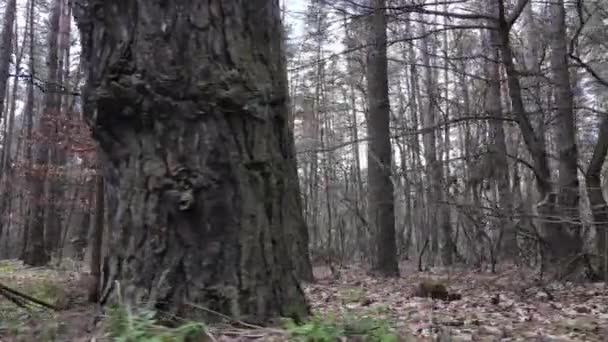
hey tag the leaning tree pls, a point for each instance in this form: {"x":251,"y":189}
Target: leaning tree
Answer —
{"x":188,"y":101}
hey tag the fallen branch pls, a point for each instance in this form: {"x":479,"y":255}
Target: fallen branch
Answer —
{"x":20,"y":299}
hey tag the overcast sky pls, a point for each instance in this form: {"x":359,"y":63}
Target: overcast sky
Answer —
{"x":295,"y":10}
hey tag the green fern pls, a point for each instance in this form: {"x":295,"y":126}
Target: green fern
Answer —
{"x":328,"y":329}
{"x":318,"y":329}
{"x":125,"y":326}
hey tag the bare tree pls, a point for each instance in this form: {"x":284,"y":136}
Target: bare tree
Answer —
{"x":381,"y":196}
{"x":567,"y":242}
{"x":6,"y":43}
{"x":40,"y":232}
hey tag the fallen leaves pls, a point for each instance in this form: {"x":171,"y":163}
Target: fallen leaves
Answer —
{"x":511,"y":305}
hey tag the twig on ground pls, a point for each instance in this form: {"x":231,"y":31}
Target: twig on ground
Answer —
{"x":244,"y":324}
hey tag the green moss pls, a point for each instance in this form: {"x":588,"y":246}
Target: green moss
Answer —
{"x":7,"y":268}
{"x":47,"y":291}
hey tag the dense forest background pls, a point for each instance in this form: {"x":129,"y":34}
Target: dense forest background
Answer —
{"x":496,"y":129}
{"x":469,"y":133}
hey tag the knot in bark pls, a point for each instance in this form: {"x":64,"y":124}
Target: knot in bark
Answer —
{"x":184,"y":183}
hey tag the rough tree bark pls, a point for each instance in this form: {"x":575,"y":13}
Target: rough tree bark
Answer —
{"x":188,"y":100}
{"x":381,"y":197}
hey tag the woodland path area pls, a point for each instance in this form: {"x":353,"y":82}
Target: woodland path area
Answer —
{"x":508,"y":306}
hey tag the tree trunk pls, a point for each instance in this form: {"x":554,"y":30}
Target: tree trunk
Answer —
{"x":534,"y":144}
{"x":532,"y":59}
{"x":534,"y":141}
{"x":97,"y":239}
{"x":352,"y":97}
{"x":28,"y":121}
{"x":35,"y":251}
{"x":568,"y":191}
{"x":51,"y":120}
{"x":429,"y":138}
{"x":449,"y":245}
{"x":189,"y":103}
{"x":507,"y":237}
{"x":56,"y":206}
{"x":418,"y":217}
{"x":6,"y":47}
{"x":80,"y":242}
{"x":381,"y":197}
{"x":597,"y":201}
{"x":6,"y":167}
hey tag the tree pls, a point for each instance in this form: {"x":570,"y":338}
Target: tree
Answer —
{"x":534,"y":140}
{"x":597,"y":201}
{"x":37,"y":251}
{"x":6,"y":38}
{"x":568,"y":242}
{"x":97,"y":239}
{"x":5,"y":167}
{"x":498,"y":148}
{"x":381,"y":197}
{"x":188,"y":101}
{"x":28,"y":115}
{"x":432,"y":164}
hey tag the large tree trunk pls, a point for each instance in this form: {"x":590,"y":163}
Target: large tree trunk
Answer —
{"x":188,"y":101}
{"x":381,"y":197}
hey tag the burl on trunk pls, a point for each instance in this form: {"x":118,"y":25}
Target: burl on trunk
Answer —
{"x":188,"y":100}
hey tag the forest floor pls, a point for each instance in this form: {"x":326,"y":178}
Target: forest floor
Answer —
{"x":507,"y":306}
